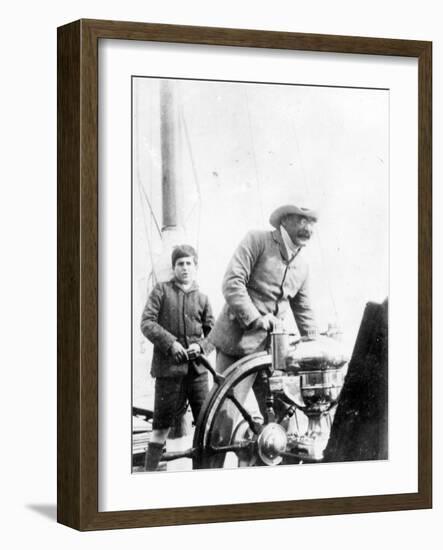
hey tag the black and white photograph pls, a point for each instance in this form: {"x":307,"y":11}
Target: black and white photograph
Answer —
{"x":220,"y":284}
{"x":260,"y":274}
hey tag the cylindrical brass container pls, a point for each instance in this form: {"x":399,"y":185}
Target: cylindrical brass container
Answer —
{"x":279,"y":349}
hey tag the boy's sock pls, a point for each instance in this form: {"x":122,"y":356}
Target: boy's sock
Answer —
{"x":153,"y":455}
{"x":180,"y":426}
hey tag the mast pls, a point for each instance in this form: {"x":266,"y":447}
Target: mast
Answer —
{"x":168,"y":139}
{"x":172,"y":230}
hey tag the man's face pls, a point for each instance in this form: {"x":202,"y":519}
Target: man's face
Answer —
{"x":185,"y":270}
{"x":299,"y":228}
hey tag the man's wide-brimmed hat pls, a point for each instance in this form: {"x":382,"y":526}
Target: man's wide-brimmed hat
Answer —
{"x":282,"y":211}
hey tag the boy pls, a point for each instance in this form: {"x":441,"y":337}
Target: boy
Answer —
{"x":176,"y":319}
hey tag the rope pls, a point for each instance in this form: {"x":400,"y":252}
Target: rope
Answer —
{"x":143,"y":194}
{"x":143,"y":191}
{"x":154,"y":275}
{"x":196,"y":180}
{"x":191,"y":212}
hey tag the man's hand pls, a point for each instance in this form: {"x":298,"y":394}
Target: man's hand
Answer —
{"x":193,"y":351}
{"x":178,"y":352}
{"x":267,"y":322}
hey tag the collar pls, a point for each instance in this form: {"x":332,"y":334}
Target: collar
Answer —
{"x":276,"y":235}
{"x":191,"y":288}
{"x":291,"y":248}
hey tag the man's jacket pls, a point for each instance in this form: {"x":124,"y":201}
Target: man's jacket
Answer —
{"x":261,"y":279}
{"x":171,"y":314}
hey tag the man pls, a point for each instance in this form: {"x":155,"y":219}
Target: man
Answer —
{"x":266,"y":277}
{"x":176,"y":319}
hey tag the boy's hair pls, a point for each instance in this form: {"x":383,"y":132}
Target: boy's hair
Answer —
{"x":183,"y":251}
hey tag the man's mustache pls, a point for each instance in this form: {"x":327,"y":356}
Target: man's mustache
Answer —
{"x":303,"y":233}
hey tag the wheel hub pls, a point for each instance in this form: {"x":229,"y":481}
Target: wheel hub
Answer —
{"x":271,"y":443}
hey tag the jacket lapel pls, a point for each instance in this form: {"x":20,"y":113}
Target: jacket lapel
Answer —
{"x":276,"y":235}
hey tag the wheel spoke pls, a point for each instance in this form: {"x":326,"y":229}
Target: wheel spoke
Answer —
{"x":234,"y":448}
{"x":288,"y":412}
{"x":265,"y":389}
{"x":255,"y":426}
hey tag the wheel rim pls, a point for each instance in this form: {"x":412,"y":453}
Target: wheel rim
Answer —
{"x":226,"y":422}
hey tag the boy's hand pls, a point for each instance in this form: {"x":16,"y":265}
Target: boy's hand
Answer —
{"x":178,"y":352}
{"x":194,"y":351}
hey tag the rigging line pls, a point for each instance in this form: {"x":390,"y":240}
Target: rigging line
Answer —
{"x":140,"y":188}
{"x":139,"y":179}
{"x":152,"y":277}
{"x":191,"y":155}
{"x":194,"y":171}
{"x":145,"y":195}
{"x":307,"y":193}
{"x":147,"y":233}
{"x":191,"y":212}
{"x":254,"y":157}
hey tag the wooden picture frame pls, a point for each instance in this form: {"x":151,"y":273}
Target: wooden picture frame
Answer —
{"x":77,"y":455}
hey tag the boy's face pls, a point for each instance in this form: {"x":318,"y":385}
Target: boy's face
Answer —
{"x":185,"y":270}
